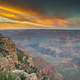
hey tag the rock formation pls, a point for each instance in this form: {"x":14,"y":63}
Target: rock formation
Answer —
{"x":8,"y":57}
{"x":14,"y":60}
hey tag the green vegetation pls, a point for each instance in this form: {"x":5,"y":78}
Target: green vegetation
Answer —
{"x":31,"y":69}
{"x":21,"y":56}
{"x":1,"y":45}
{"x":45,"y":78}
{"x":11,"y":76}
{"x":7,"y":76}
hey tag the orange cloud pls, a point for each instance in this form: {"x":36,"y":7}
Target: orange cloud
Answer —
{"x":8,"y":15}
{"x":32,"y":18}
{"x":53,"y":22}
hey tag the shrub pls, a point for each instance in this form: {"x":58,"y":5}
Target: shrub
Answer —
{"x":7,"y":76}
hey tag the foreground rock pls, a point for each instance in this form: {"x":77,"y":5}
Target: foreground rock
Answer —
{"x":8,"y":57}
{"x":27,"y":76}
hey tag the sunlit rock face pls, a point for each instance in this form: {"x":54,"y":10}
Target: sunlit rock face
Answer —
{"x":8,"y":57}
{"x":27,"y":76}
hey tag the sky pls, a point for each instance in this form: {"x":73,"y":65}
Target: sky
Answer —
{"x":28,"y":14}
{"x":58,"y":8}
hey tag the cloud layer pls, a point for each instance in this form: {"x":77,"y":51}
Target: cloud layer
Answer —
{"x":24,"y":19}
{"x":31,"y":19}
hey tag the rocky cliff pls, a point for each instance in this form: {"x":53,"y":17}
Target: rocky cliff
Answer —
{"x":14,"y":60}
{"x":8,"y":57}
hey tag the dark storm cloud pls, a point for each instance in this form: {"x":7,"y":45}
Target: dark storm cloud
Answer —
{"x":55,"y":8}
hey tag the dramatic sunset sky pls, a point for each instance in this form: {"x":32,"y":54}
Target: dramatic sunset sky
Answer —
{"x":48,"y":14}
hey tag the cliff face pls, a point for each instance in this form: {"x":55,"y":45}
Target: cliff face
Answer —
{"x":14,"y":60}
{"x":8,"y":57}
